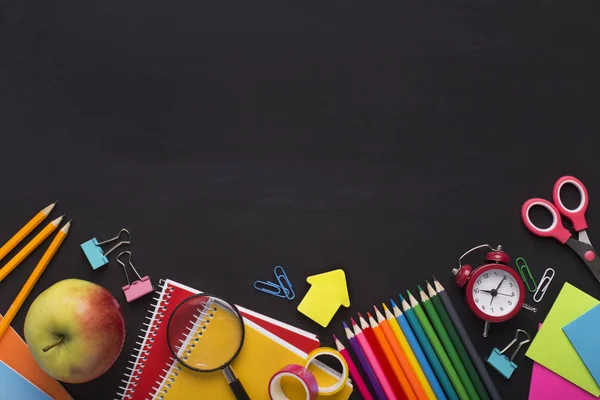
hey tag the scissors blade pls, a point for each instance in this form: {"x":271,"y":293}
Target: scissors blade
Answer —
{"x":587,"y":254}
{"x":583,"y":237}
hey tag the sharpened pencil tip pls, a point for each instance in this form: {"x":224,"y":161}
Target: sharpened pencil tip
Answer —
{"x":369,"y":316}
{"x":48,"y":209}
{"x":426,"y":282}
{"x":345,"y":325}
{"x":335,"y":338}
{"x":434,"y":278}
{"x":393,"y":303}
{"x":353,"y":321}
{"x":420,"y":288}
{"x":401,"y":298}
{"x":409,"y":293}
{"x":66,"y":227}
{"x":359,"y":316}
{"x":385,"y":307}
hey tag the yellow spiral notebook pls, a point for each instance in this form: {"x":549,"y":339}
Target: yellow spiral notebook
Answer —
{"x":262,"y":355}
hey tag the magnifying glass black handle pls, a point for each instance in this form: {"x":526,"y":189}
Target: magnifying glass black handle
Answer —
{"x":234,"y":383}
{"x":238,"y":390}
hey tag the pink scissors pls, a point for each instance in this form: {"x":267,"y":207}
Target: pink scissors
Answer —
{"x":581,"y":245}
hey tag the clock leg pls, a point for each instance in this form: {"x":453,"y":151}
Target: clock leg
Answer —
{"x":529,"y":308}
{"x":486,"y":328}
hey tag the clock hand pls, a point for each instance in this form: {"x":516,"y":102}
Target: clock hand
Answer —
{"x":500,"y":284}
{"x":504,"y":294}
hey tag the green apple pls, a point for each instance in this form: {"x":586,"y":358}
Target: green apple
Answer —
{"x":75,"y":330}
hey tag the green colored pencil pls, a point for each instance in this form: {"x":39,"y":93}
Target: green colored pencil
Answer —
{"x":436,"y":365}
{"x":448,"y":346}
{"x":458,"y":344}
{"x":466,"y":339}
{"x":439,"y":349}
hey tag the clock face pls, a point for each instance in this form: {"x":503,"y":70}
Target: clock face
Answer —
{"x":495,"y":292}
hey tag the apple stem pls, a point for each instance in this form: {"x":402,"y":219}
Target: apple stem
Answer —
{"x":45,"y":349}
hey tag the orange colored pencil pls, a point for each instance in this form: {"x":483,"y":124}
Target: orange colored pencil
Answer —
{"x":28,"y":248}
{"x":33,"y":278}
{"x":400,"y":356}
{"x":389,"y":354}
{"x":25,"y":230}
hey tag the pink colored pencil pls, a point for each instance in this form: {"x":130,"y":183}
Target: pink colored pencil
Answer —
{"x":354,"y":374}
{"x":385,"y":384}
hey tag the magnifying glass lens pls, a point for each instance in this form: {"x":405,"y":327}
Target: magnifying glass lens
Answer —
{"x":205,"y":333}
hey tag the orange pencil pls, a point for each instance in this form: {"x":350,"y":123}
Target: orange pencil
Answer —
{"x":389,"y":354}
{"x":33,"y":278}
{"x":400,"y":356}
{"x":28,"y":248}
{"x":25,"y":230}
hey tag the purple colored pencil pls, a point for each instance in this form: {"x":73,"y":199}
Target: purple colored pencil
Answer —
{"x":362,"y":359}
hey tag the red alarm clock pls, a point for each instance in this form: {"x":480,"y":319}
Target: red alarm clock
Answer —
{"x":495,"y":291}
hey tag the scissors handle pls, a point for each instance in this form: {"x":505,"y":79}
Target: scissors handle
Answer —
{"x":577,"y":215}
{"x":555,"y":230}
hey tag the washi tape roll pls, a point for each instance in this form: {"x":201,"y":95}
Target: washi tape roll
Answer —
{"x":298,"y":372}
{"x":328,"y":351}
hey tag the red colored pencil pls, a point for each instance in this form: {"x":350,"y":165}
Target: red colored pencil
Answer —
{"x":354,"y":374}
{"x":383,"y":361}
{"x":359,"y":336}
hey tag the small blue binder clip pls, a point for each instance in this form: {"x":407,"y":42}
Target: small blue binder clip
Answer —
{"x":94,"y":253}
{"x":283,"y":287}
{"x":503,"y":364}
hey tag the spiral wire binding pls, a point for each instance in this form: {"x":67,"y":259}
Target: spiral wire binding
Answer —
{"x":197,"y":325}
{"x":149,"y":329}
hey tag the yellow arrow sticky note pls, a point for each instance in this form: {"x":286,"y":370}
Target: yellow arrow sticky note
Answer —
{"x":327,"y":293}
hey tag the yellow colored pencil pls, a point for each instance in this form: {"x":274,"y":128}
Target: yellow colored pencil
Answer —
{"x":33,"y":278}
{"x":401,"y":357}
{"x":405,"y":346}
{"x":24,"y":231}
{"x":29,"y":247}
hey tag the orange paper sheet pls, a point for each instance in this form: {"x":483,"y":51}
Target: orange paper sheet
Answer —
{"x":15,"y":353}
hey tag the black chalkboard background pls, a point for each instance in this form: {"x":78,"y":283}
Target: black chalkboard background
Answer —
{"x":228,"y":138}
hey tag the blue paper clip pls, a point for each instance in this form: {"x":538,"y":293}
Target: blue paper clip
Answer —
{"x":281,"y":289}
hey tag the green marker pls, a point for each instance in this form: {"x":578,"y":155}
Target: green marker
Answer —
{"x":439,"y":349}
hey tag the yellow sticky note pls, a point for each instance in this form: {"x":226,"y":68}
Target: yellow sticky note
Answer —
{"x":327,"y":293}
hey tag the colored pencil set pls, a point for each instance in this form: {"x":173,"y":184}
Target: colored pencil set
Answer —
{"x":416,"y":351}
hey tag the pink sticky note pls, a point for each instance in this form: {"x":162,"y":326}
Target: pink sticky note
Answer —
{"x":546,"y":385}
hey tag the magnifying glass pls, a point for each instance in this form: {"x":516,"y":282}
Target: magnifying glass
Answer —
{"x":205,"y":334}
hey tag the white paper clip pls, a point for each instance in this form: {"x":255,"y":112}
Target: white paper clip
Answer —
{"x":543,"y":285}
{"x":138,"y":288}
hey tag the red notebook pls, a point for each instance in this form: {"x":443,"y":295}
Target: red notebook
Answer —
{"x":150,"y":361}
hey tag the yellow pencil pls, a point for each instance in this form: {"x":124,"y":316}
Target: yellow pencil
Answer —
{"x":33,"y":278}
{"x":24,"y":231}
{"x":409,"y":353}
{"x":29,"y":247}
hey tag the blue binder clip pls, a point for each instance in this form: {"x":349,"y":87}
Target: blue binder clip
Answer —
{"x":503,"y":364}
{"x":283,"y":287}
{"x":94,"y":253}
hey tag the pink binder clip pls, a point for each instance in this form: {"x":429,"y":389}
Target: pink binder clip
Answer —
{"x":138,"y":288}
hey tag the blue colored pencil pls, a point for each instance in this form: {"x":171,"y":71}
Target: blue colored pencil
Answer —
{"x":416,"y":348}
{"x":364,"y":363}
{"x":428,"y":349}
